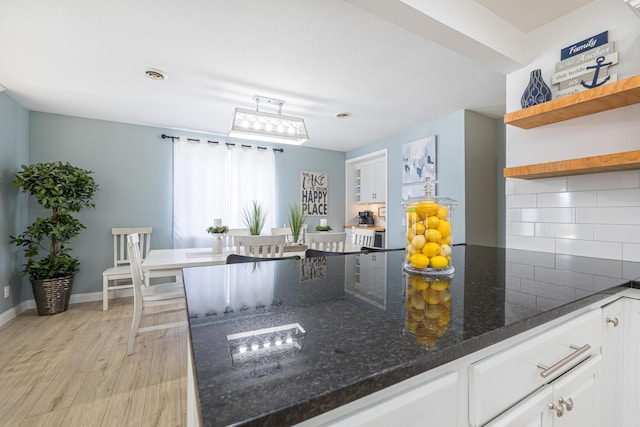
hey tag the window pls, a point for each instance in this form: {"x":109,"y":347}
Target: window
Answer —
{"x":215,"y":181}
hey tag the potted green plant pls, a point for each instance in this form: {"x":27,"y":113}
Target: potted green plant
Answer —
{"x":254,"y":217}
{"x":217,"y":244}
{"x":296,"y":221}
{"x":64,"y":189}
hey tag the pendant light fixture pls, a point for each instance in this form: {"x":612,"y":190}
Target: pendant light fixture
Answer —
{"x":270,"y":127}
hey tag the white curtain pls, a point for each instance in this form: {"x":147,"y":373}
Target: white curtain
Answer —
{"x":213,"y":181}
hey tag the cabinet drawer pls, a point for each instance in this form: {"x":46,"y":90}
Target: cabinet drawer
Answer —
{"x":499,"y":381}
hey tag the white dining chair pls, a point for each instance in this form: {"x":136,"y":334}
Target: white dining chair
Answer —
{"x":330,"y":242}
{"x":261,"y":246}
{"x":120,"y":273}
{"x":162,"y":294}
{"x":363,"y":237}
{"x":231,"y":236}
{"x":277,"y":231}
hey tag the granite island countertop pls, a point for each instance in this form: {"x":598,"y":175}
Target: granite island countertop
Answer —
{"x":355,"y":322}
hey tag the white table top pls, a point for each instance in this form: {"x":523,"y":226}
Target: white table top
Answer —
{"x":168,"y":259}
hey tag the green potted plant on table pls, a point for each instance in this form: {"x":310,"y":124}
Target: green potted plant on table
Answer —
{"x":217,"y":244}
{"x":254,"y":217}
{"x":64,"y":189}
{"x":296,"y":221}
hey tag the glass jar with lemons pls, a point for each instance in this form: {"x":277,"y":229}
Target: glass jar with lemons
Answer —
{"x":429,"y":233}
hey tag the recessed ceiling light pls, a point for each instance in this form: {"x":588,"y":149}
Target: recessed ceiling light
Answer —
{"x":154,"y":74}
{"x":343,"y":115}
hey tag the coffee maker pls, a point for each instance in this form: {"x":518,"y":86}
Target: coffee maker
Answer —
{"x":365,"y":218}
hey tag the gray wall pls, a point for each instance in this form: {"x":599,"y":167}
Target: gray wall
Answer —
{"x":133,"y":167}
{"x":14,"y":145}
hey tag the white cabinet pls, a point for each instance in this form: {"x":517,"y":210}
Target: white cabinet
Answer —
{"x":432,"y":402}
{"x":631,"y":371}
{"x":571,"y":401}
{"x":373,"y":182}
{"x":613,"y":330}
{"x":500,"y":381}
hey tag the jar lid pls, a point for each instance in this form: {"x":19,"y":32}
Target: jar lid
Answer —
{"x":430,"y":196}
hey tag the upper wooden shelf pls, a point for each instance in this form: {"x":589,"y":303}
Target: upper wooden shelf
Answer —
{"x":602,"y":98}
{"x":606,"y":163}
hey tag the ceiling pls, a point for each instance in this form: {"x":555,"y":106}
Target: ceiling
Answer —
{"x":86,"y":58}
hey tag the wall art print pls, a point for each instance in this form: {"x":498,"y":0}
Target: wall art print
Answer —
{"x":419,"y":160}
{"x":314,"y":193}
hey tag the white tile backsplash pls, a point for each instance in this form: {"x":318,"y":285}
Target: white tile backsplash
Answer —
{"x":627,"y":197}
{"x":603,"y":181}
{"x":521,"y":201}
{"x":607,"y":215}
{"x":594,"y":215}
{"x":531,"y":243}
{"x":590,"y":248}
{"x":617,"y":233}
{"x":567,"y":200}
{"x":546,"y":185}
{"x":549,"y":215}
{"x":521,"y":228}
{"x":631,"y":252}
{"x":564,"y":231}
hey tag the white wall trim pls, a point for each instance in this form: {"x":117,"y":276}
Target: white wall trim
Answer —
{"x":75,"y":299}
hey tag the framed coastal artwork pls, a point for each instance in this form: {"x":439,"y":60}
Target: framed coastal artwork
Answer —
{"x":419,"y":160}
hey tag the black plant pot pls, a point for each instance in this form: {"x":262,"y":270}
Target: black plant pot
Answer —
{"x":52,"y":295}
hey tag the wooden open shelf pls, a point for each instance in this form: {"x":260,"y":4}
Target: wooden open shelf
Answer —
{"x":605,"y":163}
{"x":602,"y":98}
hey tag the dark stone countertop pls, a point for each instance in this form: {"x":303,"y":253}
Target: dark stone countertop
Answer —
{"x":356,"y":312}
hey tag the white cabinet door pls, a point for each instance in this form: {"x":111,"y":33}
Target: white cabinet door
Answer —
{"x":631,"y":371}
{"x":433,"y":403}
{"x":613,"y":327}
{"x":530,"y":412}
{"x":373,"y":182}
{"x":380,"y":182}
{"x":367,"y":190}
{"x":579,"y":394}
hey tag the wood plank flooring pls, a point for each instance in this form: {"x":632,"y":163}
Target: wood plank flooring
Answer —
{"x":72,"y":369}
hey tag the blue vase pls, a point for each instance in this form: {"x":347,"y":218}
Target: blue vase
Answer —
{"x":536,"y":92}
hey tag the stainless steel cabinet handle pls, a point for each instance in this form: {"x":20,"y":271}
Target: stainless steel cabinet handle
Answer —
{"x":549,"y":370}
{"x":613,"y":321}
{"x":558,"y":409}
{"x":568,"y":403}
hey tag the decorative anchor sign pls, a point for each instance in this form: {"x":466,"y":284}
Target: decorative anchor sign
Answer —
{"x":599,"y":64}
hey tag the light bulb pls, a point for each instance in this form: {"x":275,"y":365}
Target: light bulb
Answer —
{"x":245,"y":123}
{"x":266,"y":344}
{"x":289,"y":340}
{"x":254,"y":346}
{"x":280,"y":128}
{"x":278,"y":341}
{"x":268,"y":127}
{"x":242,"y":349}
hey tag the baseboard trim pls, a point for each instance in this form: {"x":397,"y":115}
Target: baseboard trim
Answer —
{"x":29,"y":304}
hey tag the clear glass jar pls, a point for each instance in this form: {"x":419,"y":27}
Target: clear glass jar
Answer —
{"x":429,"y":231}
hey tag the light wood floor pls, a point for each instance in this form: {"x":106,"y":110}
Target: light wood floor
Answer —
{"x":72,"y":369}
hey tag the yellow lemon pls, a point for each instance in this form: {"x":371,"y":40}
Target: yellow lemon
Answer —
{"x":427,"y":208}
{"x":412,"y":217}
{"x":410,"y":234}
{"x":411,"y":250}
{"x":419,"y":228}
{"x":431,"y":296}
{"x":433,"y":222}
{"x":440,"y":285}
{"x":446,"y":240}
{"x":444,"y":228}
{"x":433,"y":235}
{"x":442,"y":212}
{"x":439,"y":261}
{"x":431,"y":249}
{"x":419,"y":241}
{"x":445,"y":250}
{"x":419,"y":261}
{"x":420,"y":284}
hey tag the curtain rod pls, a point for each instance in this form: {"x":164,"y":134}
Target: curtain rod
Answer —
{"x":228,"y":144}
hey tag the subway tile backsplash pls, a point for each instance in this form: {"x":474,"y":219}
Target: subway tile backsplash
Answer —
{"x":595,"y":215}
